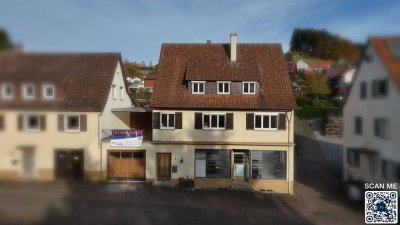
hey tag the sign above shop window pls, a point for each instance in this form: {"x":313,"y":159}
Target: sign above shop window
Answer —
{"x":126,"y":138}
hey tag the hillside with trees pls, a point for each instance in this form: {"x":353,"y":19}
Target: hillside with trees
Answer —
{"x":324,"y":45}
{"x":140,"y":70}
{"x":5,"y":42}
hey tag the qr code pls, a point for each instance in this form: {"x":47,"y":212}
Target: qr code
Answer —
{"x":381,"y":207}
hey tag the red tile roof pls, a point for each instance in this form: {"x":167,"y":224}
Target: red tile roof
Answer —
{"x":386,"y":54}
{"x":85,"y":79}
{"x":180,"y":63}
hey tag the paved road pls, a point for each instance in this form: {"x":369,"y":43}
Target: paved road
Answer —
{"x":134,"y":203}
{"x":317,"y":188}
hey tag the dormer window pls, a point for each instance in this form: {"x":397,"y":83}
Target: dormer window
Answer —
{"x":48,"y":91}
{"x":249,"y":88}
{"x":198,"y":87}
{"x":224,"y":87}
{"x":28,"y":91}
{"x":7,"y":91}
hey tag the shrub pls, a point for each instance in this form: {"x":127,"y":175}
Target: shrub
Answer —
{"x":322,"y":103}
{"x":302,"y":101}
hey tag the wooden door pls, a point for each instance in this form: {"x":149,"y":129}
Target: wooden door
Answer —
{"x":69,"y":164}
{"x":126,"y":165}
{"x":164,"y":166}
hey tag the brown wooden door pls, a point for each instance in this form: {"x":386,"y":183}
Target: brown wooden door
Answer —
{"x":126,"y":165}
{"x":69,"y":164}
{"x":164,"y":166}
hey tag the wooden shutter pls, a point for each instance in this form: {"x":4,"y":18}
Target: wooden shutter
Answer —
{"x":282,"y":121}
{"x":156,"y":120}
{"x":198,"y":121}
{"x":42,"y":122}
{"x":249,"y":121}
{"x":83,"y":122}
{"x":20,"y":122}
{"x":178,"y":120}
{"x":60,"y":122}
{"x":229,"y":121}
{"x":1,"y":122}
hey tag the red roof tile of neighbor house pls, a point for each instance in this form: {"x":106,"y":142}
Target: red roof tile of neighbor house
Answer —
{"x":180,"y":63}
{"x":82,"y":80}
{"x":388,"y":50}
{"x":317,"y":64}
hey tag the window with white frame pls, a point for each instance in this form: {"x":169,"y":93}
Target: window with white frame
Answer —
{"x":224,"y":87}
{"x":381,"y":128}
{"x":32,"y":122}
{"x":167,"y":121}
{"x":72,"y":122}
{"x":28,"y":91}
{"x":48,"y":91}
{"x":213,"y":121}
{"x":114,"y":91}
{"x":198,"y":87}
{"x":249,"y":88}
{"x":121,"y":93}
{"x":7,"y":91}
{"x":266,"y":121}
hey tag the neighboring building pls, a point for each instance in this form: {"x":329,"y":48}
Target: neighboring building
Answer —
{"x":302,"y":65}
{"x":149,"y":82}
{"x":315,"y":65}
{"x":136,"y":84}
{"x":371,"y":118}
{"x":291,"y":68}
{"x":53,"y":108}
{"x":339,"y":79}
{"x":223,"y":115}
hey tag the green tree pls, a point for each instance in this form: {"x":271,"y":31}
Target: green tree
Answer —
{"x":5,"y":42}
{"x":288,"y":56}
{"x":316,"y":86}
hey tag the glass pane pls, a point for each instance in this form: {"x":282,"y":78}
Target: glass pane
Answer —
{"x":221,"y":121}
{"x":73,"y":122}
{"x":252,"y":88}
{"x":164,"y":120}
{"x":138,"y":155}
{"x":171,"y":120}
{"x":246,"y":87}
{"x":258,"y":122}
{"x":266,"y":122}
{"x":49,"y":91}
{"x":226,"y":87}
{"x":126,"y":155}
{"x":201,"y":87}
{"x":274,"y":121}
{"x":206,"y":120}
{"x":8,"y":90}
{"x":220,"y":87}
{"x":33,"y":122}
{"x":195,"y":87}
{"x":115,"y":155}
{"x":214,"y":121}
{"x":29,"y":90}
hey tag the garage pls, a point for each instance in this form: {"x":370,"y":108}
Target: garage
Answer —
{"x":126,"y":165}
{"x":69,"y":164}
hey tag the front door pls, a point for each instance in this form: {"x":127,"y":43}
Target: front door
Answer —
{"x":28,"y":163}
{"x":239,"y":165}
{"x":69,"y":164}
{"x":164,"y":166}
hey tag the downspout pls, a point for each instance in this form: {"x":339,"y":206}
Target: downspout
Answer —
{"x":289,"y":119}
{"x":100,"y":145}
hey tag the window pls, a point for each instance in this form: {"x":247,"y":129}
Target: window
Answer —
{"x":7,"y":91}
{"x":198,"y":87}
{"x":381,"y":128}
{"x":48,"y":91}
{"x":224,"y":87}
{"x":167,"y":121}
{"x":390,"y":170}
{"x":28,"y":91}
{"x":358,"y":125}
{"x":213,"y":121}
{"x":265,"y":122}
{"x":212,"y":163}
{"x":72,"y":122}
{"x":249,"y":87}
{"x":32,"y":123}
{"x":268,"y":165}
{"x":372,"y":166}
{"x":114,"y":91}
{"x":353,"y":158}
{"x":121,"y":93}
{"x":379,"y":88}
{"x":363,"y":90}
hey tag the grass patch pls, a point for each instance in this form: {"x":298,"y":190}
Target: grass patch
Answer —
{"x":309,"y":112}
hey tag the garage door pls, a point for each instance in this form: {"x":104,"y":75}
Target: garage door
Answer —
{"x":126,"y":165}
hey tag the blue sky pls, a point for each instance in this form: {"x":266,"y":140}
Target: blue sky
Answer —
{"x":138,"y":28}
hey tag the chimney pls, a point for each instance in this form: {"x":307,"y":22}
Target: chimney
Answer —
{"x":233,"y":47}
{"x":209,"y":41}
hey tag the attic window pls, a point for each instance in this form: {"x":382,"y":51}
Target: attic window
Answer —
{"x":198,"y":87}
{"x":249,"y":88}
{"x":224,"y":87}
{"x":7,"y":91}
{"x":28,"y":91}
{"x":48,"y":91}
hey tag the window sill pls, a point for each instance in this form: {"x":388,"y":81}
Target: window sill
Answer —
{"x":167,"y":128}
{"x":266,"y":129}
{"x":72,"y":131}
{"x":32,"y":130}
{"x":213,"y":128}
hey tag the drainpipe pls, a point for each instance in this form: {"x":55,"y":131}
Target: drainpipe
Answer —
{"x":289,"y":119}
{"x":100,"y":145}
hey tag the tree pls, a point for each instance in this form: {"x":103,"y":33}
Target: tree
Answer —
{"x":288,"y":56}
{"x":5,"y":42}
{"x":316,"y":85}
